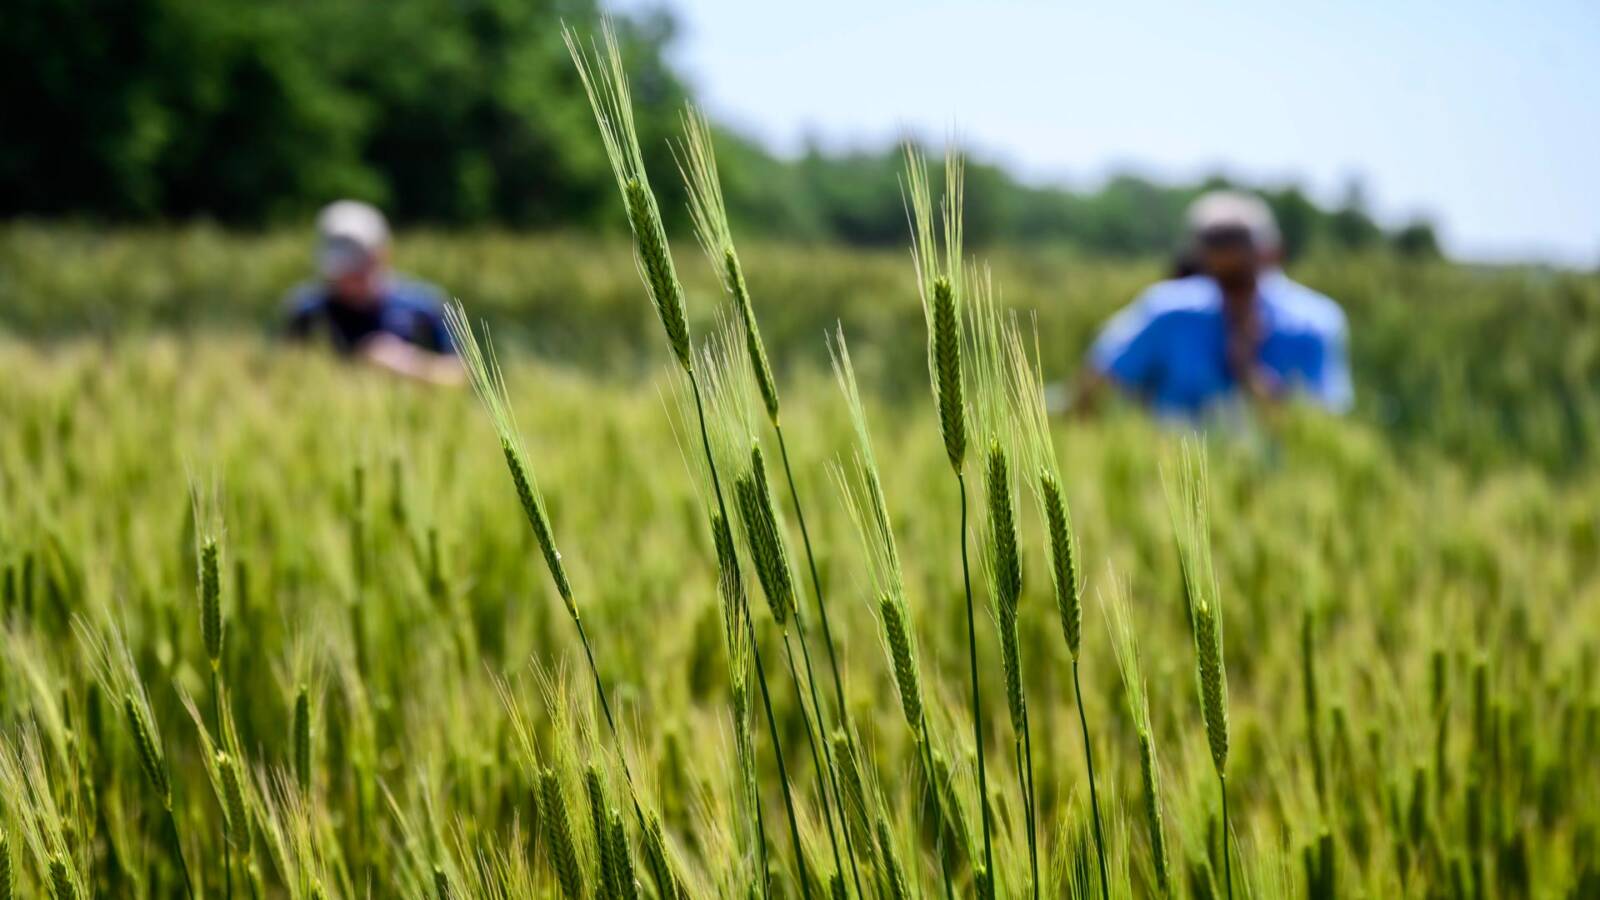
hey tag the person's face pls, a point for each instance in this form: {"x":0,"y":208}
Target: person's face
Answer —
{"x":1230,"y":257}
{"x":360,"y":286}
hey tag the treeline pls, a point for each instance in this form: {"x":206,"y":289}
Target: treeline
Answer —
{"x":456,"y":112}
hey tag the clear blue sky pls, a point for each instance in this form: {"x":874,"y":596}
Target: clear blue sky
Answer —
{"x":1483,"y":115}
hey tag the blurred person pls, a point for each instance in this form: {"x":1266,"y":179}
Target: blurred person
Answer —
{"x":1230,"y":327}
{"x":364,"y":309}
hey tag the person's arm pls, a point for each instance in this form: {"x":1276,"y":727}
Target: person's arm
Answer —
{"x":1124,"y":355}
{"x":1332,"y":386}
{"x":400,"y":356}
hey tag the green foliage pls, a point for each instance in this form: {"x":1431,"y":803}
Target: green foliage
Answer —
{"x":253,"y":111}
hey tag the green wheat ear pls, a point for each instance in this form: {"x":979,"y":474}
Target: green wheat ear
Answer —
{"x":235,"y":815}
{"x":1042,"y":470}
{"x":489,"y":383}
{"x":1125,"y":646}
{"x":897,"y":634}
{"x":1005,"y":558}
{"x":302,"y":738}
{"x":5,"y":864}
{"x":939,"y":284}
{"x":655,"y":855}
{"x":605,"y":81}
{"x":697,"y":162}
{"x":627,"y":879}
{"x":601,"y":831}
{"x":144,"y":742}
{"x":861,"y":484}
{"x":563,"y":853}
{"x":62,"y":885}
{"x":854,"y":793}
{"x":1188,"y":501}
{"x":1063,"y":560}
{"x":759,"y":516}
{"x":894,"y":874}
{"x":211,"y":601}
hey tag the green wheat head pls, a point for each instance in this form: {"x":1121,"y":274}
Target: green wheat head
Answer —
{"x":594,"y":789}
{"x":853,"y":794}
{"x":902,"y":657}
{"x":489,"y":383}
{"x":211,"y":601}
{"x":301,"y":738}
{"x":940,"y":285}
{"x":697,"y":161}
{"x":108,"y":655}
{"x":1125,"y":646}
{"x":994,"y":417}
{"x":605,"y":80}
{"x":235,"y":813}
{"x":861,"y":485}
{"x":7,"y":879}
{"x":558,"y":841}
{"x":62,"y":884}
{"x":894,"y":874}
{"x":1037,"y":453}
{"x":758,"y":513}
{"x":1187,"y":500}
{"x":41,"y":821}
{"x":626,"y":877}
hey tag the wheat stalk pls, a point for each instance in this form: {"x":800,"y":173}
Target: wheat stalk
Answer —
{"x":1126,"y":648}
{"x":861,"y":485}
{"x":1187,"y":500}
{"x":939,"y":285}
{"x":605,"y":81}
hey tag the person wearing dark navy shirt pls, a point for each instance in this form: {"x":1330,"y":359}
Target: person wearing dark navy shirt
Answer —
{"x":365,"y":311}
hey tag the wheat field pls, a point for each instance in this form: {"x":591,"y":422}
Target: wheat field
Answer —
{"x":277,"y":627}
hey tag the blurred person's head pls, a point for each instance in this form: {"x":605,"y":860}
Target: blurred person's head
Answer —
{"x":353,"y":251}
{"x":1232,"y":238}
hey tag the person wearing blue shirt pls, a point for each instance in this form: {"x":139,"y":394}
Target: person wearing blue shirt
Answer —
{"x":1239,"y":329}
{"x":363,"y":309}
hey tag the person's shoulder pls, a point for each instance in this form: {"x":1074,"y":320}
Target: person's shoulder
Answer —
{"x":415,"y":295}
{"x":1304,"y":309}
{"x":306,"y":299}
{"x":1179,"y":296}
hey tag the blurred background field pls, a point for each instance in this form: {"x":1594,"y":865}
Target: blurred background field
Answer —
{"x":1480,"y":364}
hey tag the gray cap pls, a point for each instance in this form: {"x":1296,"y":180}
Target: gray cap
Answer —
{"x":1217,"y":210}
{"x":349,"y":235}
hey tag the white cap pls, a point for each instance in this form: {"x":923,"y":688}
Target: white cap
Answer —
{"x":1235,"y":210}
{"x":349,"y":234}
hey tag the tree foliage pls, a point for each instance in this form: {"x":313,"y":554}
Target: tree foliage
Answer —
{"x":455,"y":112}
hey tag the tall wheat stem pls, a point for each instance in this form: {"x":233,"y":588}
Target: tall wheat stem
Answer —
{"x":1227,"y":861}
{"x":611,"y":723}
{"x":936,"y":790}
{"x":823,"y":774}
{"x":1030,"y":798}
{"x":177,"y":848}
{"x":816,"y":582}
{"x":827,"y":752}
{"x":977,"y":696}
{"x":755,"y":648}
{"x":1094,"y":799}
{"x":827,"y":640}
{"x":216,"y":719}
